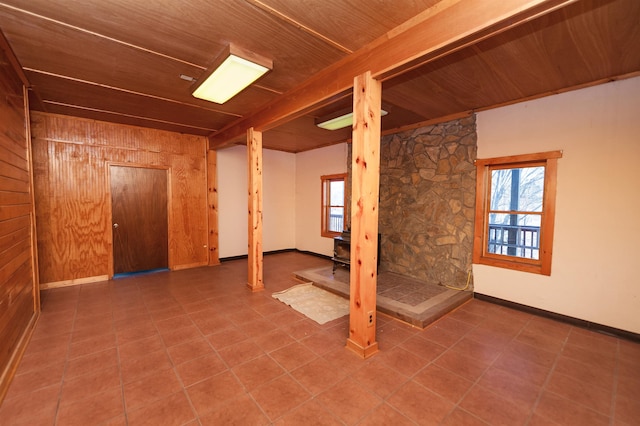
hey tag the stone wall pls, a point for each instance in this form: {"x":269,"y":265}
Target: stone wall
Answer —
{"x":427,"y":198}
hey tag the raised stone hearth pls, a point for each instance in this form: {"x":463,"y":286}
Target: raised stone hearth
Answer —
{"x":408,"y":299}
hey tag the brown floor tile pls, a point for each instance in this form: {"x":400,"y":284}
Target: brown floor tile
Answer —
{"x":273,"y":340}
{"x":485,"y":353}
{"x":240,"y":353}
{"x":90,"y":345}
{"x":592,"y":341}
{"x":210,"y":323}
{"x":392,"y":333}
{"x":226,"y":337}
{"x":594,"y":397}
{"x":175,"y":323}
{"x":140,"y":343}
{"x":301,"y":329}
{"x":443,"y":382}
{"x":239,"y":411}
{"x":423,"y":348}
{"x":628,"y":385}
{"x":137,"y":332}
{"x":544,"y":339}
{"x":214,"y":392}
{"x":464,"y":366}
{"x":257,"y":372}
{"x":510,"y":387}
{"x":49,"y":344}
{"x":92,"y":362}
{"x":40,"y":360}
{"x":317,"y":375}
{"x":21,"y":410}
{"x":325,"y":341}
{"x":285,"y":317}
{"x":199,"y":369}
{"x":379,"y":378}
{"x":293,"y":356}
{"x":349,"y":401}
{"x":96,"y":409}
{"x":139,"y":348}
{"x":385,"y":415}
{"x":439,"y":335}
{"x":591,"y":374}
{"x":139,"y":367}
{"x":190,"y":350}
{"x":627,"y":410}
{"x":494,"y":409}
{"x":604,"y":360}
{"x":459,"y":417}
{"x":37,"y":379}
{"x":181,"y":335}
{"x":279,"y":396}
{"x":526,"y":370}
{"x":151,"y":388}
{"x":402,"y":361}
{"x":173,"y":410}
{"x":531,"y":353}
{"x":309,"y":413}
{"x":420,"y":404}
{"x":81,"y":387}
{"x":565,"y":412}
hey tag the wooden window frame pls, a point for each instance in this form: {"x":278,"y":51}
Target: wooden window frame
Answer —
{"x":325,"y":208}
{"x":480,"y":253}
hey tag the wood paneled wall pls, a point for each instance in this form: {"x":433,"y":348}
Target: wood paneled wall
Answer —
{"x":19,"y":295}
{"x":73,"y":203}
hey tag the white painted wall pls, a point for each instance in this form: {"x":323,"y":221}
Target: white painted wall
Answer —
{"x":596,"y":254}
{"x":278,"y":200}
{"x":310,"y":165}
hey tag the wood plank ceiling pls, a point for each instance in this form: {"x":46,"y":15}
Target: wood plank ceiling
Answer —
{"x":121,"y":60}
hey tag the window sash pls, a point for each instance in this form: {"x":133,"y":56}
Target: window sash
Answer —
{"x":328,"y":221}
{"x":482,"y":253}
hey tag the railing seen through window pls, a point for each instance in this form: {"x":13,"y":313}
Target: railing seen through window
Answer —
{"x":333,"y":205}
{"x":515,"y":207}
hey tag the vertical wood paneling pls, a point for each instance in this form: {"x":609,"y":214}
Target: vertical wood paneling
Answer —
{"x":18,"y":291}
{"x":72,"y":157}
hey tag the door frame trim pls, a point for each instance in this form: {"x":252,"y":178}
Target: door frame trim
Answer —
{"x":109,"y":236}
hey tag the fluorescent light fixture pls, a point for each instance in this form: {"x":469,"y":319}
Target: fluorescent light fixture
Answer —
{"x":232,"y":72}
{"x":341,"y":121}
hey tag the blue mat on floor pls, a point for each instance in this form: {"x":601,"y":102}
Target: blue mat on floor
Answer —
{"x":131,"y":274}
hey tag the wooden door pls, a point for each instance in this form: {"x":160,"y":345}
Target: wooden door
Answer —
{"x":139,"y":219}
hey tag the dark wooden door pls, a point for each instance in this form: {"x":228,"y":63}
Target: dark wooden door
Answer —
{"x":139,"y":219}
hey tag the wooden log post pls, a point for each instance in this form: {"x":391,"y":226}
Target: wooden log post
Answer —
{"x":212,"y":201}
{"x":365,"y":169}
{"x":254,"y":160}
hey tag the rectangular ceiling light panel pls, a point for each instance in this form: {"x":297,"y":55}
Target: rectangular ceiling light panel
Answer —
{"x":340,"y":121}
{"x":232,"y":76}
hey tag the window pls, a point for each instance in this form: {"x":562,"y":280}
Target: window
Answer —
{"x":333,"y":205}
{"x":515,"y":208}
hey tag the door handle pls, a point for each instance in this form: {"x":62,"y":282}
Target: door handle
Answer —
{"x":115,"y":226}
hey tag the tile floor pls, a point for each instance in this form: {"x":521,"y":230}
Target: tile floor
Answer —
{"x":195,"y":347}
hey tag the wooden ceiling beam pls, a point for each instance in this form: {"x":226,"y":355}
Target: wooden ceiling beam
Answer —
{"x":448,"y":26}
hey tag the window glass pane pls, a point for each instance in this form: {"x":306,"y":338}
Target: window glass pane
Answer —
{"x":514,"y":235}
{"x":517,"y":189}
{"x":336,"y":217}
{"x":337,"y":192}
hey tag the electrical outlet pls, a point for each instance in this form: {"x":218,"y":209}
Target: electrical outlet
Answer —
{"x":370,"y":319}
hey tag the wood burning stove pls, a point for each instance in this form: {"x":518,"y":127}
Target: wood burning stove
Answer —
{"x":342,"y":250}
